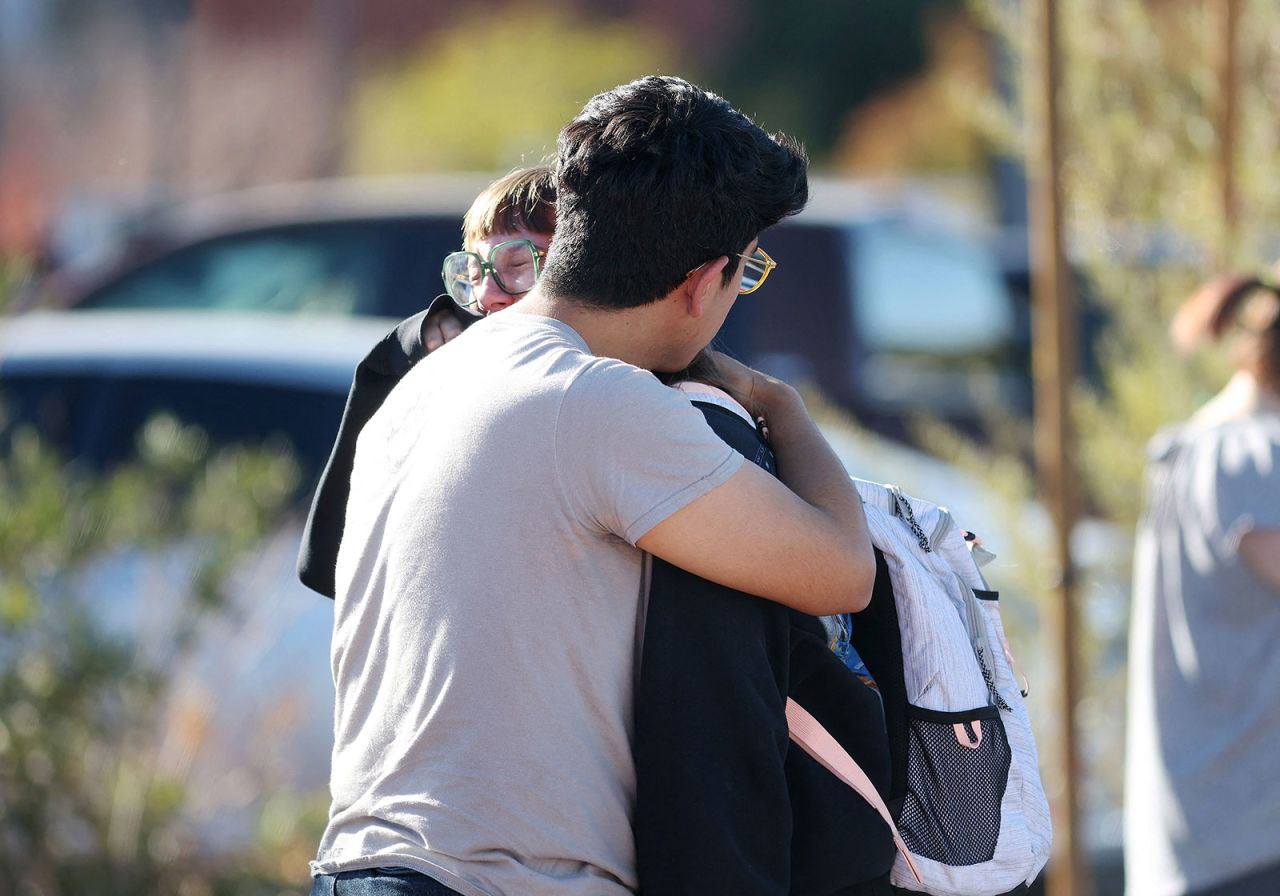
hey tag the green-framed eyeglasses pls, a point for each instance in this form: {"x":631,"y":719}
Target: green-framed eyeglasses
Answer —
{"x":755,"y":271}
{"x":514,"y":265}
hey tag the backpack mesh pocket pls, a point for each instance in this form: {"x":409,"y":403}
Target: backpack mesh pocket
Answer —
{"x":957,"y":770}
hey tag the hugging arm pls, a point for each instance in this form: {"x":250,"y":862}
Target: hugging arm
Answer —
{"x":803,"y":543}
{"x":724,"y":803}
{"x":1260,"y":550}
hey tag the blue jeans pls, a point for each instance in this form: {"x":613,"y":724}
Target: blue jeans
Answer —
{"x":379,"y":882}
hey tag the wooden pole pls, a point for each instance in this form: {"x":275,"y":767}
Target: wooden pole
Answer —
{"x":1228,"y":21}
{"x":337,"y":37}
{"x":1053,"y":372}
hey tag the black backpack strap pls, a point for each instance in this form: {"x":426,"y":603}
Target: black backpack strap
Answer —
{"x":713,"y":809}
{"x":878,"y":640}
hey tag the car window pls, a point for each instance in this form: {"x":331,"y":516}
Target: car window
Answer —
{"x":385,"y":267}
{"x":94,"y":419}
{"x":926,"y":291}
{"x":795,"y":327}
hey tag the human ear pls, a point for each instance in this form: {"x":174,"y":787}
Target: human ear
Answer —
{"x":704,"y":283}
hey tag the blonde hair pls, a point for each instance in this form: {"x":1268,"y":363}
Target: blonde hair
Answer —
{"x":525,"y":199}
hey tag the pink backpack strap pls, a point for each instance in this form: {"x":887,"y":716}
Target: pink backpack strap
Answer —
{"x":811,"y":737}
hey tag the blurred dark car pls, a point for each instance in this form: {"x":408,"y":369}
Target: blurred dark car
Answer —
{"x":887,"y":298}
{"x":894,"y":303}
{"x":88,"y":380}
{"x":366,"y":247}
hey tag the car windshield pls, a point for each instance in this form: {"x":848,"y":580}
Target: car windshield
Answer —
{"x":387,"y":267}
{"x":925,"y":291}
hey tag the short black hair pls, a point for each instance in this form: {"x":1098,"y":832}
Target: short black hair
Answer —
{"x":656,"y":177}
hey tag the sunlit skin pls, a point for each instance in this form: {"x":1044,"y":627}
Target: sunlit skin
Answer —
{"x":489,"y":297}
{"x":442,"y":326}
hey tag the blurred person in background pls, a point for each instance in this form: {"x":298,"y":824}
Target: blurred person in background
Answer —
{"x":1202,"y":793}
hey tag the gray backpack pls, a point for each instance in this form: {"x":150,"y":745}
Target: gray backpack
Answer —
{"x":966,"y":793}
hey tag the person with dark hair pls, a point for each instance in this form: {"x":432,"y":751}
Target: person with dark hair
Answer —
{"x":1202,"y":799}
{"x":503,"y":498}
{"x":656,"y":178}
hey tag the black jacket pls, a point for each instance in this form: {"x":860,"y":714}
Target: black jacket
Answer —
{"x":724,"y":802}
{"x":384,"y":366}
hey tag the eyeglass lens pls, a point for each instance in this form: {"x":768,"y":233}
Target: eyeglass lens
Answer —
{"x":753,"y":271}
{"x":513,"y":265}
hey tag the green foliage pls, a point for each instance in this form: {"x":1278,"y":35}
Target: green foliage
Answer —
{"x":1144,"y":221}
{"x":493,"y":90}
{"x":850,"y":52}
{"x":13,"y":272}
{"x":87,"y":805}
{"x":1143,"y":211}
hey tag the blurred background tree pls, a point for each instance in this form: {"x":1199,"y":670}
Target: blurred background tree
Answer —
{"x":492,"y":91}
{"x":440,"y":107}
{"x":86,"y":704}
{"x":106,"y":104}
{"x":1142,"y":187}
{"x":805,"y":67}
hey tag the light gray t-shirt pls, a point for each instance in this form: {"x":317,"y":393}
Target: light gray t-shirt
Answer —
{"x":1202,"y":787}
{"x":488,"y":591}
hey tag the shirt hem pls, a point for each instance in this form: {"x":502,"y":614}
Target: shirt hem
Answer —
{"x":422,"y":866}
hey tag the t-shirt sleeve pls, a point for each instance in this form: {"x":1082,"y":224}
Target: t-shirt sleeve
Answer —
{"x":1247,"y":481}
{"x":630,"y":451}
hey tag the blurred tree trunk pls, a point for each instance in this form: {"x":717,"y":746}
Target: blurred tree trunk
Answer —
{"x":1054,"y":372}
{"x":165,"y":25}
{"x":337,"y":38}
{"x":1228,"y":124}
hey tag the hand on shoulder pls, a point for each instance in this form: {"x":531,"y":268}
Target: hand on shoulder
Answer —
{"x":757,"y":392}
